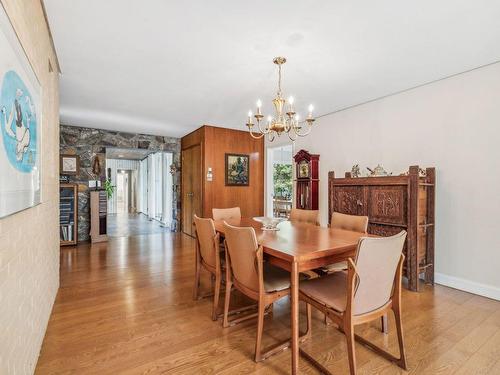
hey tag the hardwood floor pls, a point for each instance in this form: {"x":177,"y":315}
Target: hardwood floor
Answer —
{"x":124,"y":225}
{"x":125,"y":307}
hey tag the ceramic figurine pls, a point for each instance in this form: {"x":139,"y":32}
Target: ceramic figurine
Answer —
{"x":378,"y":171}
{"x":355,"y":172}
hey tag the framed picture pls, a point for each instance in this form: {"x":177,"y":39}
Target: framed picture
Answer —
{"x":20,"y":125}
{"x":237,"y":170}
{"x":69,"y":165}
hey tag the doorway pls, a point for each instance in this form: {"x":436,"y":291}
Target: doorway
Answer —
{"x":122,"y":192}
{"x":279,"y":181}
{"x":143,"y":192}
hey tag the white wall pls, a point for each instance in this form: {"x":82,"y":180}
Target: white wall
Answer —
{"x":454,"y":125}
{"x":29,"y":240}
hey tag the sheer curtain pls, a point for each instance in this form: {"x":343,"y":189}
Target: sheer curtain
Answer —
{"x":156,"y":187}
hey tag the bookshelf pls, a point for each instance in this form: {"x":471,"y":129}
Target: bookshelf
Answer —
{"x":68,"y":214}
{"x":98,"y":213}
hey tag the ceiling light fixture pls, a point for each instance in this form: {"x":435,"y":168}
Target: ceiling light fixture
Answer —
{"x":288,"y":122}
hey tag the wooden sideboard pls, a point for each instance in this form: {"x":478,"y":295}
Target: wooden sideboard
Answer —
{"x":98,"y":216}
{"x":392,"y":204}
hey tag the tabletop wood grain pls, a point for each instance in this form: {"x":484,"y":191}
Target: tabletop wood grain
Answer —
{"x":299,"y":242}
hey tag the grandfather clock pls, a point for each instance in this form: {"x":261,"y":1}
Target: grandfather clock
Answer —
{"x":307,"y":180}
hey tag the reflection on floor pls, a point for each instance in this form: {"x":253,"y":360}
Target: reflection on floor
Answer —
{"x":124,"y":225}
{"x":126,"y":307}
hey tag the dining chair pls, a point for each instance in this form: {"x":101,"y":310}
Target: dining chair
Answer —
{"x":354,"y":223}
{"x":304,"y":216}
{"x":256,"y":279}
{"x":226,"y":213}
{"x":369,"y":289}
{"x":208,"y":257}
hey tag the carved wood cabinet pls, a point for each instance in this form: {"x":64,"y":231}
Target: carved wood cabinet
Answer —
{"x":392,"y":204}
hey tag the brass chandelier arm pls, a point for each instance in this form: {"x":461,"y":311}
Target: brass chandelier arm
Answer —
{"x":253,"y":135}
{"x":298,"y":133}
{"x":263,"y":131}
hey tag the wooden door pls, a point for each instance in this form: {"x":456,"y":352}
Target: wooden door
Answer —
{"x":191,"y":187}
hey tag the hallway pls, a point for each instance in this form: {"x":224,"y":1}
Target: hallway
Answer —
{"x":127,"y":225}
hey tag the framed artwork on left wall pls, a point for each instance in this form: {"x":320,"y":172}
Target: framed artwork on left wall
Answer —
{"x":20,"y":125}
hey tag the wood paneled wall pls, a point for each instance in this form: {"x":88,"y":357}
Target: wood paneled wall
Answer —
{"x":215,"y":143}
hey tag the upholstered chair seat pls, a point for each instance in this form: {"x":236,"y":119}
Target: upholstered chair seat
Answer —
{"x":329,"y":290}
{"x":275,"y":278}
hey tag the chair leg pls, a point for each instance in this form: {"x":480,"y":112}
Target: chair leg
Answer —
{"x":399,"y":327}
{"x":216,"y":298}
{"x":260,"y":329}
{"x":309,"y":320}
{"x":227,"y":300}
{"x":349,"y":335}
{"x":196,"y":281}
{"x":384,"y":327}
{"x":326,"y":321}
{"x":212,"y":281}
{"x":271,"y":309}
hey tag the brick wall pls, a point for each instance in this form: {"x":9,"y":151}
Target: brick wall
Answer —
{"x":29,"y":242}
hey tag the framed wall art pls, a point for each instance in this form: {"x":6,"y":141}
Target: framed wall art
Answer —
{"x":20,"y":125}
{"x":69,"y":165}
{"x":237,"y":170}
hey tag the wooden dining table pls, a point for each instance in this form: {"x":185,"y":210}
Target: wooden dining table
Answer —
{"x":297,"y":248}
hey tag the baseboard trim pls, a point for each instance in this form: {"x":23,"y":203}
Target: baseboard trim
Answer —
{"x":468,"y":286}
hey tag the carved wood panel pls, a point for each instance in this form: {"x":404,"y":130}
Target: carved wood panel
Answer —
{"x":348,"y":200}
{"x":388,"y":204}
{"x":386,"y":231}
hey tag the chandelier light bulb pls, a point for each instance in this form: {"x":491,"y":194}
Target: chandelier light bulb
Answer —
{"x":290,"y":100}
{"x":269,"y":119}
{"x":310,"y":108}
{"x":297,"y":117}
{"x":259,"y":105}
{"x":249,"y":114}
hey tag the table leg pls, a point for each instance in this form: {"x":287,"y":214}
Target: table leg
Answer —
{"x":294,"y":307}
{"x":385,"y":326}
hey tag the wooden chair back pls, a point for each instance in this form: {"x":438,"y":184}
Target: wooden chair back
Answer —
{"x":243,"y":253}
{"x":376,"y":263}
{"x":207,"y":240}
{"x":353,"y":223}
{"x":226,"y":213}
{"x":304,"y":216}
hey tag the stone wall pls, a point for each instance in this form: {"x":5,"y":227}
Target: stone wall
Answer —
{"x":90,"y":143}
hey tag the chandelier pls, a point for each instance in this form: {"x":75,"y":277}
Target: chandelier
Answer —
{"x":283,"y":122}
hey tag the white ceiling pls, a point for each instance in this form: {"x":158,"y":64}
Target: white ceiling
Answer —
{"x":167,"y":67}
